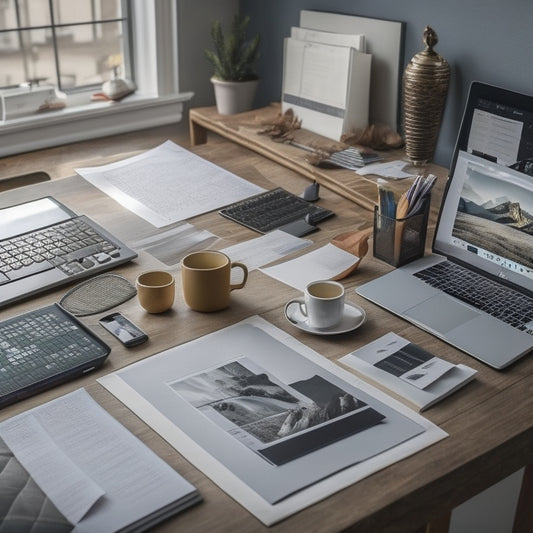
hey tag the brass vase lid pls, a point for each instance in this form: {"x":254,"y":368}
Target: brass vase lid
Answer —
{"x":428,"y":58}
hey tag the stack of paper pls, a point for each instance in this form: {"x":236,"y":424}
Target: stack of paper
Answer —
{"x":326,"y":81}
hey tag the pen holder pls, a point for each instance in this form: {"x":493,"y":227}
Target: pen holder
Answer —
{"x":399,"y":241}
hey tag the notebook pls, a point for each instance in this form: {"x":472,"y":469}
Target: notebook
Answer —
{"x":43,"y":244}
{"x":484,"y":231}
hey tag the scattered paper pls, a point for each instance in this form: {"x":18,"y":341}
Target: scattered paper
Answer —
{"x":171,"y":245}
{"x":326,"y":262}
{"x":169,"y":184}
{"x":265,"y":249}
{"x":390,"y":169}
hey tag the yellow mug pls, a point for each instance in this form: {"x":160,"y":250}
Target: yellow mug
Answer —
{"x":206,"y":280}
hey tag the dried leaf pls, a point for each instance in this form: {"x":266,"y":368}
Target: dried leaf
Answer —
{"x":375,"y":136}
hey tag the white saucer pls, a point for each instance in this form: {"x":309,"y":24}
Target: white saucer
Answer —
{"x":354,"y":316}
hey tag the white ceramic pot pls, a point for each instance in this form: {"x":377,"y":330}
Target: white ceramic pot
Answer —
{"x":234,"y":96}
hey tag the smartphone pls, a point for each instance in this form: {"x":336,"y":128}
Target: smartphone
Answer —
{"x":123,"y":329}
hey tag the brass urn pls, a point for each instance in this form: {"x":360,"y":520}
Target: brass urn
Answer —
{"x":425,"y":88}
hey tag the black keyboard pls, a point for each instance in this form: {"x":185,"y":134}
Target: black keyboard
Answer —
{"x":504,"y":303}
{"x":42,"y":348}
{"x":274,"y":209}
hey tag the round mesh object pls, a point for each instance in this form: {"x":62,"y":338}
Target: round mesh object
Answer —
{"x":98,"y":294}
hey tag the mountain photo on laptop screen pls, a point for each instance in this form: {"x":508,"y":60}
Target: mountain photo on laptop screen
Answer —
{"x":495,"y":213}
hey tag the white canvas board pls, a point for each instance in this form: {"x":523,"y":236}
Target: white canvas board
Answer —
{"x":269,"y":491}
{"x":384,"y":40}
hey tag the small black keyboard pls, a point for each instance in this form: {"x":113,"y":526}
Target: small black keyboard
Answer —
{"x":274,"y":209}
{"x":44,"y":347}
{"x":507,"y":304}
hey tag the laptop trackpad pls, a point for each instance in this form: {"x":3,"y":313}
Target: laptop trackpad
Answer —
{"x":440,"y":313}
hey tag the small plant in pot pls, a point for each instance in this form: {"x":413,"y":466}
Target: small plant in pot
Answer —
{"x":234,"y":59}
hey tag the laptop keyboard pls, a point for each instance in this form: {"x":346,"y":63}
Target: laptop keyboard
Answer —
{"x":40,"y":347}
{"x":500,"y":301}
{"x":72,"y":246}
{"x":273,"y":209}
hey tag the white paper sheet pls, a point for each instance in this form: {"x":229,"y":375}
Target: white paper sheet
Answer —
{"x":171,"y":245}
{"x":144,"y":388}
{"x":70,"y":489}
{"x":328,"y":37}
{"x":168,"y":184}
{"x":390,"y":169}
{"x":323,"y":263}
{"x":268,"y":248}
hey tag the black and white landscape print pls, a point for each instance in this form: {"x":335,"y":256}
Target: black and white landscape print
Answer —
{"x":281,"y":422}
{"x":496,"y":215}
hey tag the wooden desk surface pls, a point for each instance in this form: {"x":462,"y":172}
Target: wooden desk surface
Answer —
{"x":490,"y":421}
{"x":246,"y":129}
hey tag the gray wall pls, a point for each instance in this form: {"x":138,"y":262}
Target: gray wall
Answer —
{"x":194,"y":25}
{"x":485,"y":40}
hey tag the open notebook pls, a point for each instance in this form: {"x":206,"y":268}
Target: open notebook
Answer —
{"x":484,"y":239}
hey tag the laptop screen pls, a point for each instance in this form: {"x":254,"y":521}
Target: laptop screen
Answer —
{"x":486,"y":218}
{"x":31,"y":216}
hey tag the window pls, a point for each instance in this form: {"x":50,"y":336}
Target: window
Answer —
{"x":140,"y":34}
{"x":68,"y":44}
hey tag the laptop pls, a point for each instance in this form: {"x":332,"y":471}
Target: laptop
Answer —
{"x":484,"y":232}
{"x":43,"y":244}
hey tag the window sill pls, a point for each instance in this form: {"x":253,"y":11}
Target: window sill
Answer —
{"x":97,"y":119}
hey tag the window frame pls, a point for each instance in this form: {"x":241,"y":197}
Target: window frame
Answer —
{"x":156,"y":101}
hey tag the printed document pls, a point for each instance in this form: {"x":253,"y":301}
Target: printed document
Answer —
{"x":169,"y":184}
{"x":327,"y":86}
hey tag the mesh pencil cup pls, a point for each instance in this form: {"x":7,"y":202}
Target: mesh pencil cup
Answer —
{"x":400,"y":241}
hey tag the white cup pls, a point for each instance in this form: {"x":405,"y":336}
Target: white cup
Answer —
{"x":323,"y":304}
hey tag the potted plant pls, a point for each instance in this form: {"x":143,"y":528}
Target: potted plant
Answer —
{"x":234,"y":61}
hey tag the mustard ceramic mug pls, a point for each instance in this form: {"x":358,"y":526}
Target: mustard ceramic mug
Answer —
{"x":206,"y":280}
{"x":155,"y":290}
